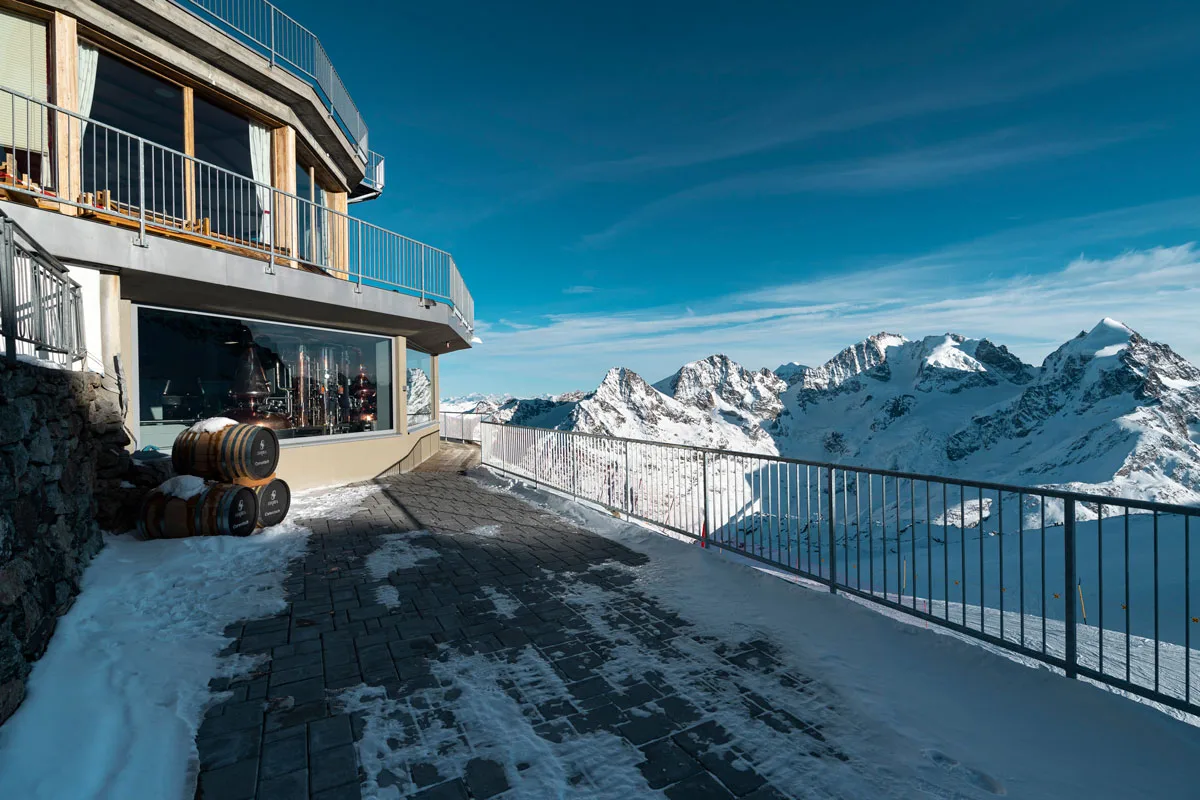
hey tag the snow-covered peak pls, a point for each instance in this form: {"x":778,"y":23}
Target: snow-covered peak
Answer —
{"x":625,"y":405}
{"x":792,"y":372}
{"x":718,"y":383}
{"x":854,"y":360}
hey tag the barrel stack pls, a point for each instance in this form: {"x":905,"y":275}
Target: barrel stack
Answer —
{"x":225,"y":484}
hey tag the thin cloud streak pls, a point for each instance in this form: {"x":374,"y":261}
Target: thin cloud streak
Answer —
{"x":1153,"y":290}
{"x":905,"y":170}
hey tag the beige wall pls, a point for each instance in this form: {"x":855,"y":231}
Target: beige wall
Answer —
{"x":332,"y":463}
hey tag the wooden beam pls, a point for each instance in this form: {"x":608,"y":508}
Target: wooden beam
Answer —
{"x":283,"y":178}
{"x":68,"y":132}
{"x":189,"y":147}
{"x":339,"y":234}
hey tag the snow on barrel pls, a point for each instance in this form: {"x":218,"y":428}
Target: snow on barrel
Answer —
{"x":221,"y":449}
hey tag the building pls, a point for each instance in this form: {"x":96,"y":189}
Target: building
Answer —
{"x":194,"y":165}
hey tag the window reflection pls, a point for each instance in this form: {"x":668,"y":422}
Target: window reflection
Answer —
{"x":300,"y":381}
{"x":420,"y":388}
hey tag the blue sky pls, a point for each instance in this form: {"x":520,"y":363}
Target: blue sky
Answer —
{"x":644,"y":184}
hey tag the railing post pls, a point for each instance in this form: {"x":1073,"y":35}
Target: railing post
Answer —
{"x":358,"y":284}
{"x":141,"y":240}
{"x":38,"y":302}
{"x":270,"y":231}
{"x":8,"y":283}
{"x":1068,"y":589}
{"x":272,"y":6}
{"x":628,"y":484}
{"x":536,"y":447}
{"x":832,"y":527}
{"x":704,"y":489}
{"x":422,"y":273}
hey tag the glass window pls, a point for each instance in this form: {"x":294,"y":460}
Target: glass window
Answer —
{"x":419,"y":388}
{"x":133,"y":101}
{"x":24,"y":126}
{"x":300,"y":381}
{"x":233,"y":207}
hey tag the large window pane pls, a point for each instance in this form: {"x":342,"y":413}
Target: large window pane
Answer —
{"x":230,"y":202}
{"x":420,"y":388}
{"x":24,"y":126}
{"x":130,"y":102}
{"x":300,"y":381}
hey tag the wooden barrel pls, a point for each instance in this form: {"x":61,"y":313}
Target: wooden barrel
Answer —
{"x":163,"y":516}
{"x":274,"y":500}
{"x":238,"y":451}
{"x":226,"y":510}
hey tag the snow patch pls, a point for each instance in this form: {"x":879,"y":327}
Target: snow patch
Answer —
{"x":185,"y":487}
{"x":395,"y":552}
{"x":499,"y":731}
{"x":212,"y":425}
{"x":114,"y":705}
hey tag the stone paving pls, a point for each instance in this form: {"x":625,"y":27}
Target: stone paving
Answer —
{"x":488,"y":591}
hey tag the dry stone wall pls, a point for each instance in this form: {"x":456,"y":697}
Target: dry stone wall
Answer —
{"x":62,"y":462}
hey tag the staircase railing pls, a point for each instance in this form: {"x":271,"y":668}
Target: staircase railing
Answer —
{"x":41,"y":306}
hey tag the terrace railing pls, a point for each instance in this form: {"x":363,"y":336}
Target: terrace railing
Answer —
{"x":462,"y":426}
{"x":41,"y":306}
{"x":278,"y":38}
{"x":1098,"y":587}
{"x":76,"y":164}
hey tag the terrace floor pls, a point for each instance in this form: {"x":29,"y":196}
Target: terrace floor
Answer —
{"x":448,"y":641}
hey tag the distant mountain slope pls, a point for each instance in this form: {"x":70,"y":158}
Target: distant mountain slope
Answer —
{"x":1108,"y":412}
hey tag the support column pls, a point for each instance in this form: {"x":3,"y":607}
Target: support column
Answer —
{"x":283,"y":172}
{"x":339,"y":234}
{"x":189,"y":168}
{"x":400,"y":383}
{"x":67,"y":131}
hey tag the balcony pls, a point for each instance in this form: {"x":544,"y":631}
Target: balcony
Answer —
{"x":286,"y":43}
{"x":72,"y":164}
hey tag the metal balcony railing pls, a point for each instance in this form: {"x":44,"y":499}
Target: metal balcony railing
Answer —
{"x":41,"y":306}
{"x":463,"y":426}
{"x":72,"y":161}
{"x":262,"y":27}
{"x":1098,"y":587}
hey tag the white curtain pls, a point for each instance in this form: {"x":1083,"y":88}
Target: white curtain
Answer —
{"x":260,"y":166}
{"x":322,"y":222}
{"x":88,"y":58}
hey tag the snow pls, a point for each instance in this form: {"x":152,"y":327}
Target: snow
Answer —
{"x":25,"y":358}
{"x":114,"y":704}
{"x":184,"y":487}
{"x":931,"y":714}
{"x":395,"y":552}
{"x":499,"y":732}
{"x":212,"y":425}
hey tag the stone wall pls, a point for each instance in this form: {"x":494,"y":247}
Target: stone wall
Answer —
{"x":62,"y":443}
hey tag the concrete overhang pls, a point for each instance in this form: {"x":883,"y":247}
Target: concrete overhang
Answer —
{"x":177,"y":37}
{"x":188,"y":276}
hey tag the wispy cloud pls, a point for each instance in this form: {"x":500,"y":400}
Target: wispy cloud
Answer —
{"x":579,"y":290}
{"x":904,"y":170}
{"x":1152,"y":289}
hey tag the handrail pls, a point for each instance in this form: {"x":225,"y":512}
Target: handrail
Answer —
{"x":1059,"y":494}
{"x":158,"y":187}
{"x":40,"y":303}
{"x":282,"y":40}
{"x":1096,"y":586}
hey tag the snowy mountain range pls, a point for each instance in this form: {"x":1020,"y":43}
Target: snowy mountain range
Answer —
{"x":1107,"y":412}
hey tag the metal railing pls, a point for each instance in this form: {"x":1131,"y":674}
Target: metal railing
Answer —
{"x":41,"y":306}
{"x":463,"y":426}
{"x":374,"y":177}
{"x":283,"y":41}
{"x":71,"y":161}
{"x":1099,"y":587}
